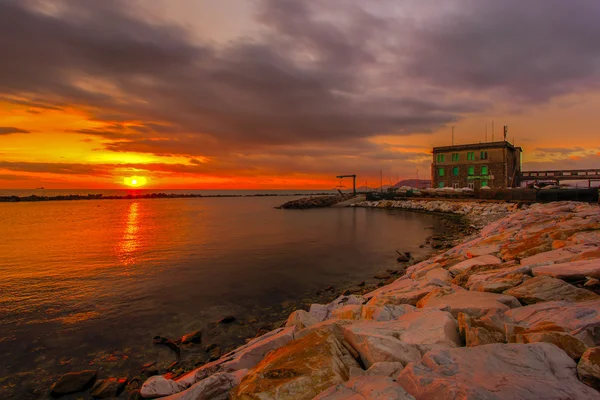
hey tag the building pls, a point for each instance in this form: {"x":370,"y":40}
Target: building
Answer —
{"x":493,"y":164}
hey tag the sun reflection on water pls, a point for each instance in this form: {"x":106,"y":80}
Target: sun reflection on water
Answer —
{"x":131,"y":239}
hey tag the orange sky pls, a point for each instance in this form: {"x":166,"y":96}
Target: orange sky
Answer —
{"x":281,"y":95}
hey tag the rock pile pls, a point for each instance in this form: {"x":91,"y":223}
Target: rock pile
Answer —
{"x":504,"y":315}
{"x":316,"y":202}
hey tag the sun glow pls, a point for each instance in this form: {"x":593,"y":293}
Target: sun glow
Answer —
{"x":135,"y":181}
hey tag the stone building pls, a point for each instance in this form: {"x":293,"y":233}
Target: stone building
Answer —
{"x":492,"y":164}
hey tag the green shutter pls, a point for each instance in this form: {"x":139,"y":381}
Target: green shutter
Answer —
{"x":455,"y":171}
{"x":455,"y":157}
{"x":470,"y":156}
{"x":441,"y":171}
{"x":484,"y":170}
{"x":471,"y":170}
{"x":484,"y":183}
{"x":441,"y":184}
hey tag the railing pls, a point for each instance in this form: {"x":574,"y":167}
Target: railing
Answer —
{"x":572,"y":174}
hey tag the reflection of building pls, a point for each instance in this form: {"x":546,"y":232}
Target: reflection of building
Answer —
{"x":493,"y":164}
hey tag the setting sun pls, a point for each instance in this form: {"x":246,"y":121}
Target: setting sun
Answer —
{"x":135,"y":181}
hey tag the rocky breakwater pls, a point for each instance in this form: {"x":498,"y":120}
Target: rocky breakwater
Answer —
{"x":316,"y":201}
{"x":478,"y":212}
{"x":511,"y":313}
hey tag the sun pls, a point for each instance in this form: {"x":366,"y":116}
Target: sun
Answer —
{"x":135,"y":181}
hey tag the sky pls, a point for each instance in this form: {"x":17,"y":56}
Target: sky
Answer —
{"x":276,"y":94}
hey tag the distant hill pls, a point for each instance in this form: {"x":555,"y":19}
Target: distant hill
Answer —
{"x":416,"y":183}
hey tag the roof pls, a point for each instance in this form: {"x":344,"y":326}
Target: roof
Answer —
{"x":476,"y":146}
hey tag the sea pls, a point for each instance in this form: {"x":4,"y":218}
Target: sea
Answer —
{"x":88,"y":284}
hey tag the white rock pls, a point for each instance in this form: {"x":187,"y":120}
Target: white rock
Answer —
{"x":159,"y":386}
{"x":301,"y":319}
{"x":572,"y":271}
{"x":215,"y":387}
{"x":323,"y":311}
{"x":487,"y":259}
{"x":468,"y":302}
{"x":386,"y":312}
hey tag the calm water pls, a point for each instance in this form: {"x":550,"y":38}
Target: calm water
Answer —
{"x":89,"y":283}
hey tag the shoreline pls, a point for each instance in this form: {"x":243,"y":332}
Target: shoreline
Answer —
{"x":469,"y":304}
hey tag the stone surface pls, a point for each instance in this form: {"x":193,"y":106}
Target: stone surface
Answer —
{"x":553,"y":334}
{"x":588,"y":368}
{"x":194,"y":337}
{"x":385,"y":368}
{"x":468,"y":302}
{"x":352,"y":311}
{"x":323,"y":311}
{"x":572,"y":271}
{"x":300,"y":370}
{"x":215,"y":387}
{"x":404,"y":291}
{"x":372,"y":387}
{"x":546,"y":288}
{"x":496,"y":372}
{"x":301,"y":319}
{"x":110,"y":387}
{"x":487,"y":259}
{"x":73,"y":382}
{"x":557,"y":256}
{"x":159,"y":386}
{"x":477,"y":332}
{"x":580,"y":320}
{"x":386,"y":312}
{"x":404,"y":339}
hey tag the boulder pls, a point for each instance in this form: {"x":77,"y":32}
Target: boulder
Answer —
{"x":404,"y":339}
{"x":384,"y":368}
{"x":580,"y":320}
{"x":159,"y":386}
{"x":386,"y":312}
{"x":550,"y":333}
{"x":557,"y":256}
{"x":478,"y":332}
{"x":545,"y":288}
{"x":352,"y":311}
{"x":323,"y":311}
{"x":468,"y":302}
{"x":301,"y":319}
{"x":437,"y":273}
{"x":368,"y":387}
{"x":194,"y":337}
{"x":73,"y":382}
{"x":588,"y":368}
{"x":504,"y":273}
{"x":496,"y":372}
{"x":487,"y":259}
{"x":215,"y":387}
{"x":405,"y":291}
{"x":571,"y":271}
{"x":110,"y":387}
{"x":300,"y":370}
{"x":499,"y":284}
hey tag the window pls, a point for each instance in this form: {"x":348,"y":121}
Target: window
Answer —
{"x":484,"y":155}
{"x":455,"y":185}
{"x":471,"y":156}
{"x":471,"y":185}
{"x":441,"y":171}
{"x":441,"y":158}
{"x":455,"y":157}
{"x":471,"y":170}
{"x":441,"y":185}
{"x":455,"y":171}
{"x":484,"y":183}
{"x":484,"y":170}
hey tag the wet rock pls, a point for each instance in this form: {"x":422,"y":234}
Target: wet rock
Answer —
{"x":300,"y":370}
{"x":134,"y":395}
{"x":346,"y":292}
{"x":73,"y":382}
{"x":369,"y":387}
{"x":159,"y":340}
{"x":468,"y":302}
{"x":495,"y":371}
{"x":111,"y":387}
{"x":382,"y":275}
{"x":151,"y":370}
{"x":214,"y":353}
{"x":403,"y":339}
{"x":159,"y":386}
{"x":361,"y":283}
{"x":572,"y":271}
{"x":546,"y":288}
{"x":588,"y":368}
{"x":195,"y":337}
{"x":329,"y":289}
{"x":227,"y":320}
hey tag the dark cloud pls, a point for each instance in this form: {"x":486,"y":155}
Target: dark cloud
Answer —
{"x":55,"y":168}
{"x":560,"y":150}
{"x":7,"y":130}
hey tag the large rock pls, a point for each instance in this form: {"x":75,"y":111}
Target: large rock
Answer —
{"x":572,"y":271}
{"x":215,"y":387}
{"x":300,"y":370}
{"x":588,"y":368}
{"x":581,"y":320}
{"x":468,"y":302}
{"x":478,"y":331}
{"x":159,"y":386}
{"x":323,"y":311}
{"x":505,"y":275}
{"x":404,"y":339}
{"x":384,"y":368}
{"x":551,"y":333}
{"x":481,"y":260}
{"x":404,"y":291}
{"x":495,"y":372}
{"x":352,"y":311}
{"x":546,"y":288}
{"x":301,"y":319}
{"x":110,"y":387}
{"x":386,"y":312}
{"x":557,"y":256}
{"x":368,"y":387}
{"x":73,"y":382}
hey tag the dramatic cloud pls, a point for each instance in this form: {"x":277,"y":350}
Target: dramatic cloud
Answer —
{"x":321,"y":81}
{"x":7,"y":130}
